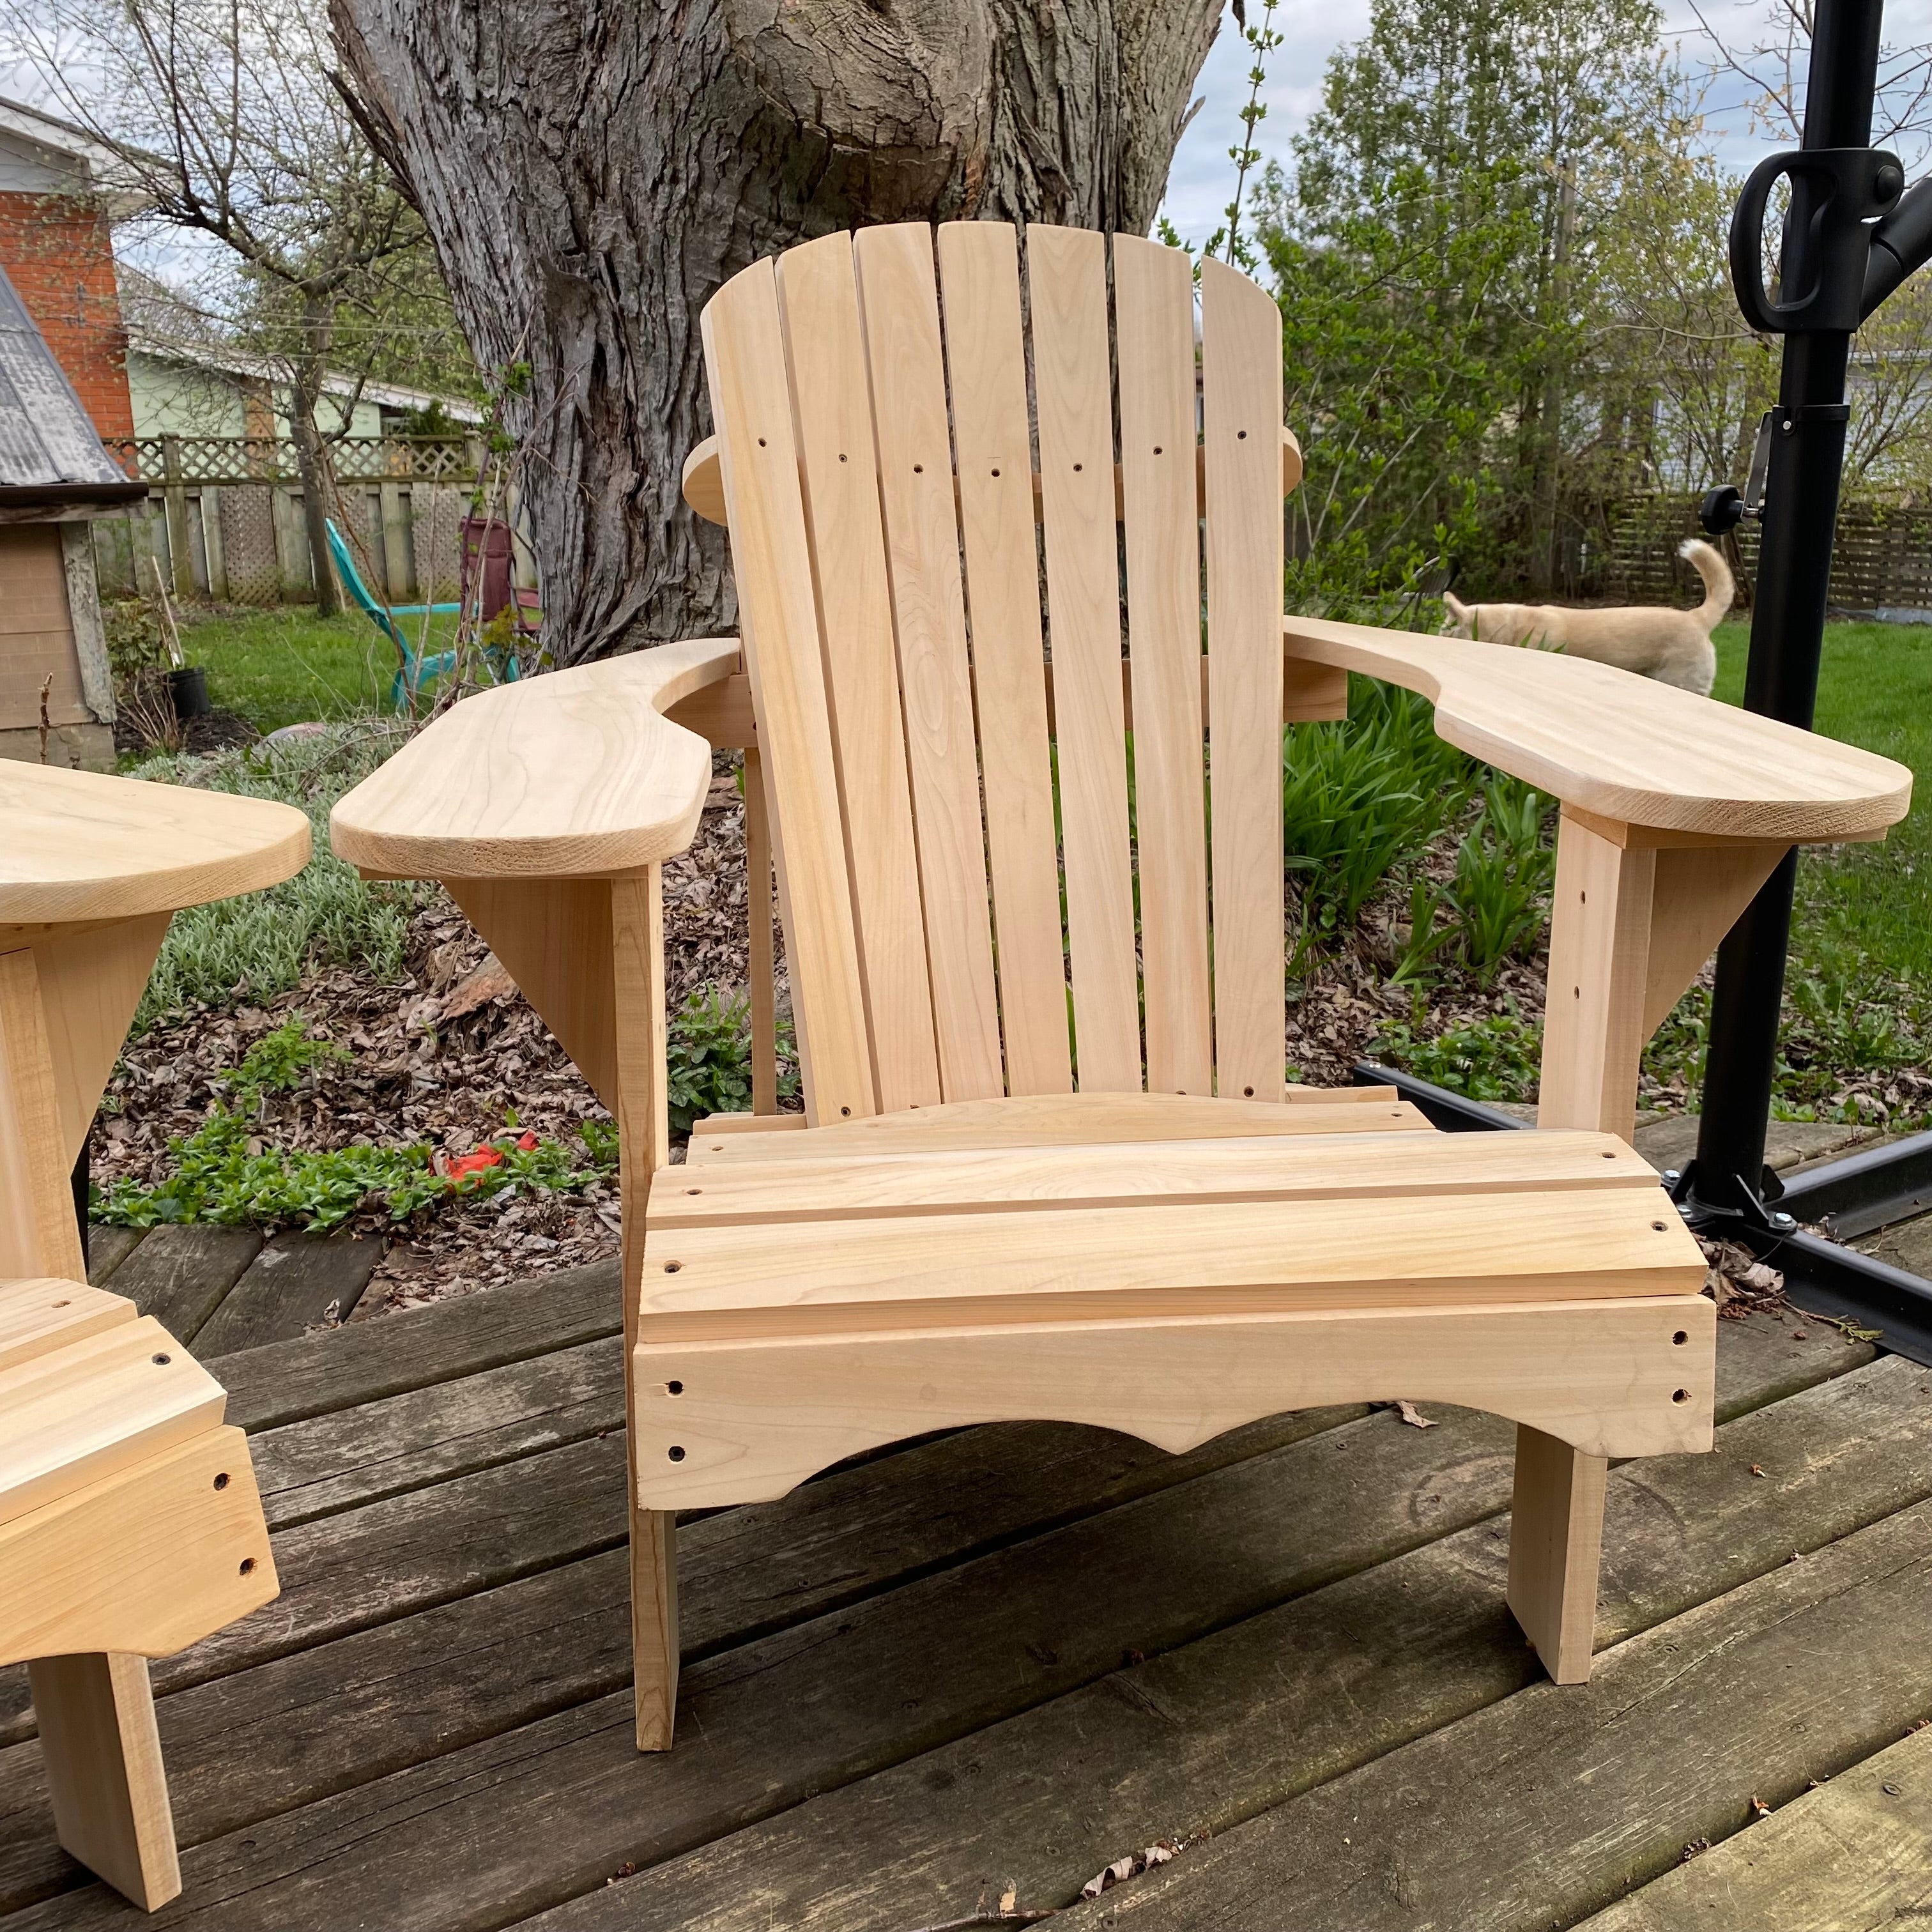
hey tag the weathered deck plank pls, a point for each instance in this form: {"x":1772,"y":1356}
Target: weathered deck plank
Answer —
{"x":1854,"y":1856}
{"x":902,"y":1671}
{"x":1544,"y":1808}
{"x":179,"y":1275}
{"x":286,"y":1382}
{"x":107,"y":1248}
{"x":296,"y":1281}
{"x":1223,"y":1729}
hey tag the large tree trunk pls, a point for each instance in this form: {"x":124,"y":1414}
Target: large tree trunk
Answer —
{"x":591,"y":170}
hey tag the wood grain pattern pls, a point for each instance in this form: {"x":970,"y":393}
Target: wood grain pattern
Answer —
{"x":38,"y":1235}
{"x":1051,"y":1120}
{"x":38,"y":1316}
{"x":73,"y":1415}
{"x":1067,"y":285}
{"x":838,"y":468}
{"x":1614,"y":743}
{"x":751,"y":401}
{"x":149,"y":1559}
{"x":1351,"y":1167}
{"x":636,"y":933}
{"x":105,"y":1779}
{"x":753,"y":1421}
{"x":900,"y":301}
{"x":978,"y":274}
{"x":90,"y":984}
{"x":1154,"y":308}
{"x":1523,"y":1245}
{"x":761,"y":956}
{"x":1696,"y":898}
{"x":553,"y":937}
{"x":573,"y":774}
{"x":84,"y":845}
{"x":1241,"y":403}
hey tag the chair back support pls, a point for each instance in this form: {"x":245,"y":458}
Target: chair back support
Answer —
{"x":992,"y":880}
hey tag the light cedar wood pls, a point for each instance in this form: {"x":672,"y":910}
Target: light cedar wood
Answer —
{"x":1154,"y":307}
{"x":751,"y":400}
{"x":1696,"y":898}
{"x":745,"y":1124}
{"x":1625,"y":747}
{"x":553,"y":937}
{"x":833,"y":407}
{"x":761,"y":957}
{"x":1593,"y":1038}
{"x":719,"y":713}
{"x":106,"y":1782}
{"x":636,"y":972}
{"x":1525,"y":1245}
{"x":1241,"y":381}
{"x":754,"y":1419}
{"x":1556,"y":1538}
{"x":703,"y":479}
{"x":90,"y":984}
{"x":900,"y":301}
{"x":37,"y":1234}
{"x":1066,"y":286}
{"x":38,"y":1315}
{"x":979,"y":274}
{"x":84,"y":845}
{"x":74,"y":1415}
{"x":1053,"y":1119}
{"x":575,"y":774}
{"x":149,"y":1559}
{"x":1346,"y":1167}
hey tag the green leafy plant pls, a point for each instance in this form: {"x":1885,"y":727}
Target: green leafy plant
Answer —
{"x":1499,"y":896}
{"x":1496,"y":1058}
{"x":1360,"y":797}
{"x":708,"y":1057}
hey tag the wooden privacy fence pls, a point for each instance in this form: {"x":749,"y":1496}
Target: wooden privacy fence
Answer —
{"x":1881,"y":561}
{"x":224,"y":516}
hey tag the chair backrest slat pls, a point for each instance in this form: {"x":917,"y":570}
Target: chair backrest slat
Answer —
{"x":1241,"y":405}
{"x":1161,"y":518}
{"x":970,"y":909}
{"x":901,"y":306}
{"x":1066,"y":284}
{"x":986,"y":355}
{"x":778,"y":614}
{"x":839,"y":470}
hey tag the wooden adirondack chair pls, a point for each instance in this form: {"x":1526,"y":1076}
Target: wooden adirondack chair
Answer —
{"x":1049,"y":1171}
{"x":129,"y":1524}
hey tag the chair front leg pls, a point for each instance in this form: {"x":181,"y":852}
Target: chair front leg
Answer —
{"x":637,"y":937}
{"x":103,"y":1754}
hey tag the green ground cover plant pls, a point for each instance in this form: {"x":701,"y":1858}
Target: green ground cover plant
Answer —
{"x":261,"y":944}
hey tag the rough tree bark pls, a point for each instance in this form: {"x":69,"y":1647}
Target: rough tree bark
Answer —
{"x":591,"y":170}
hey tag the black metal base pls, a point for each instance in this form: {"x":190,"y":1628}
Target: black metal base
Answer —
{"x":1449,"y":1111}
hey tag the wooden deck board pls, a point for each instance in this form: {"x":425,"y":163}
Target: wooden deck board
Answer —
{"x":431,"y":1728}
{"x":296,"y":1282}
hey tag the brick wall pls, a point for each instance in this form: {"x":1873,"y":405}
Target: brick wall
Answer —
{"x":57,"y":252}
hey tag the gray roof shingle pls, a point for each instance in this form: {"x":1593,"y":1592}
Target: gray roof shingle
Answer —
{"x":50,"y":455}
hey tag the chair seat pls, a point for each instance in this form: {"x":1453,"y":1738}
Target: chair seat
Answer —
{"x":1003,"y":1211}
{"x":88,"y":1388}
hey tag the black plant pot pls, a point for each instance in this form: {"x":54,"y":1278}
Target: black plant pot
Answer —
{"x":188,"y":688}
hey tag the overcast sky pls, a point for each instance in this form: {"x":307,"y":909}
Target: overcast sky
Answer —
{"x":1202,"y":179}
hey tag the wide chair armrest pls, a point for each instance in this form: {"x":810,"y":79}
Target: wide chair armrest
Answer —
{"x":1623,"y":747}
{"x":577,"y":774}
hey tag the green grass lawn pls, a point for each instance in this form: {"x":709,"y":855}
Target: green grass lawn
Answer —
{"x":1874,"y":902}
{"x":286,"y":666}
